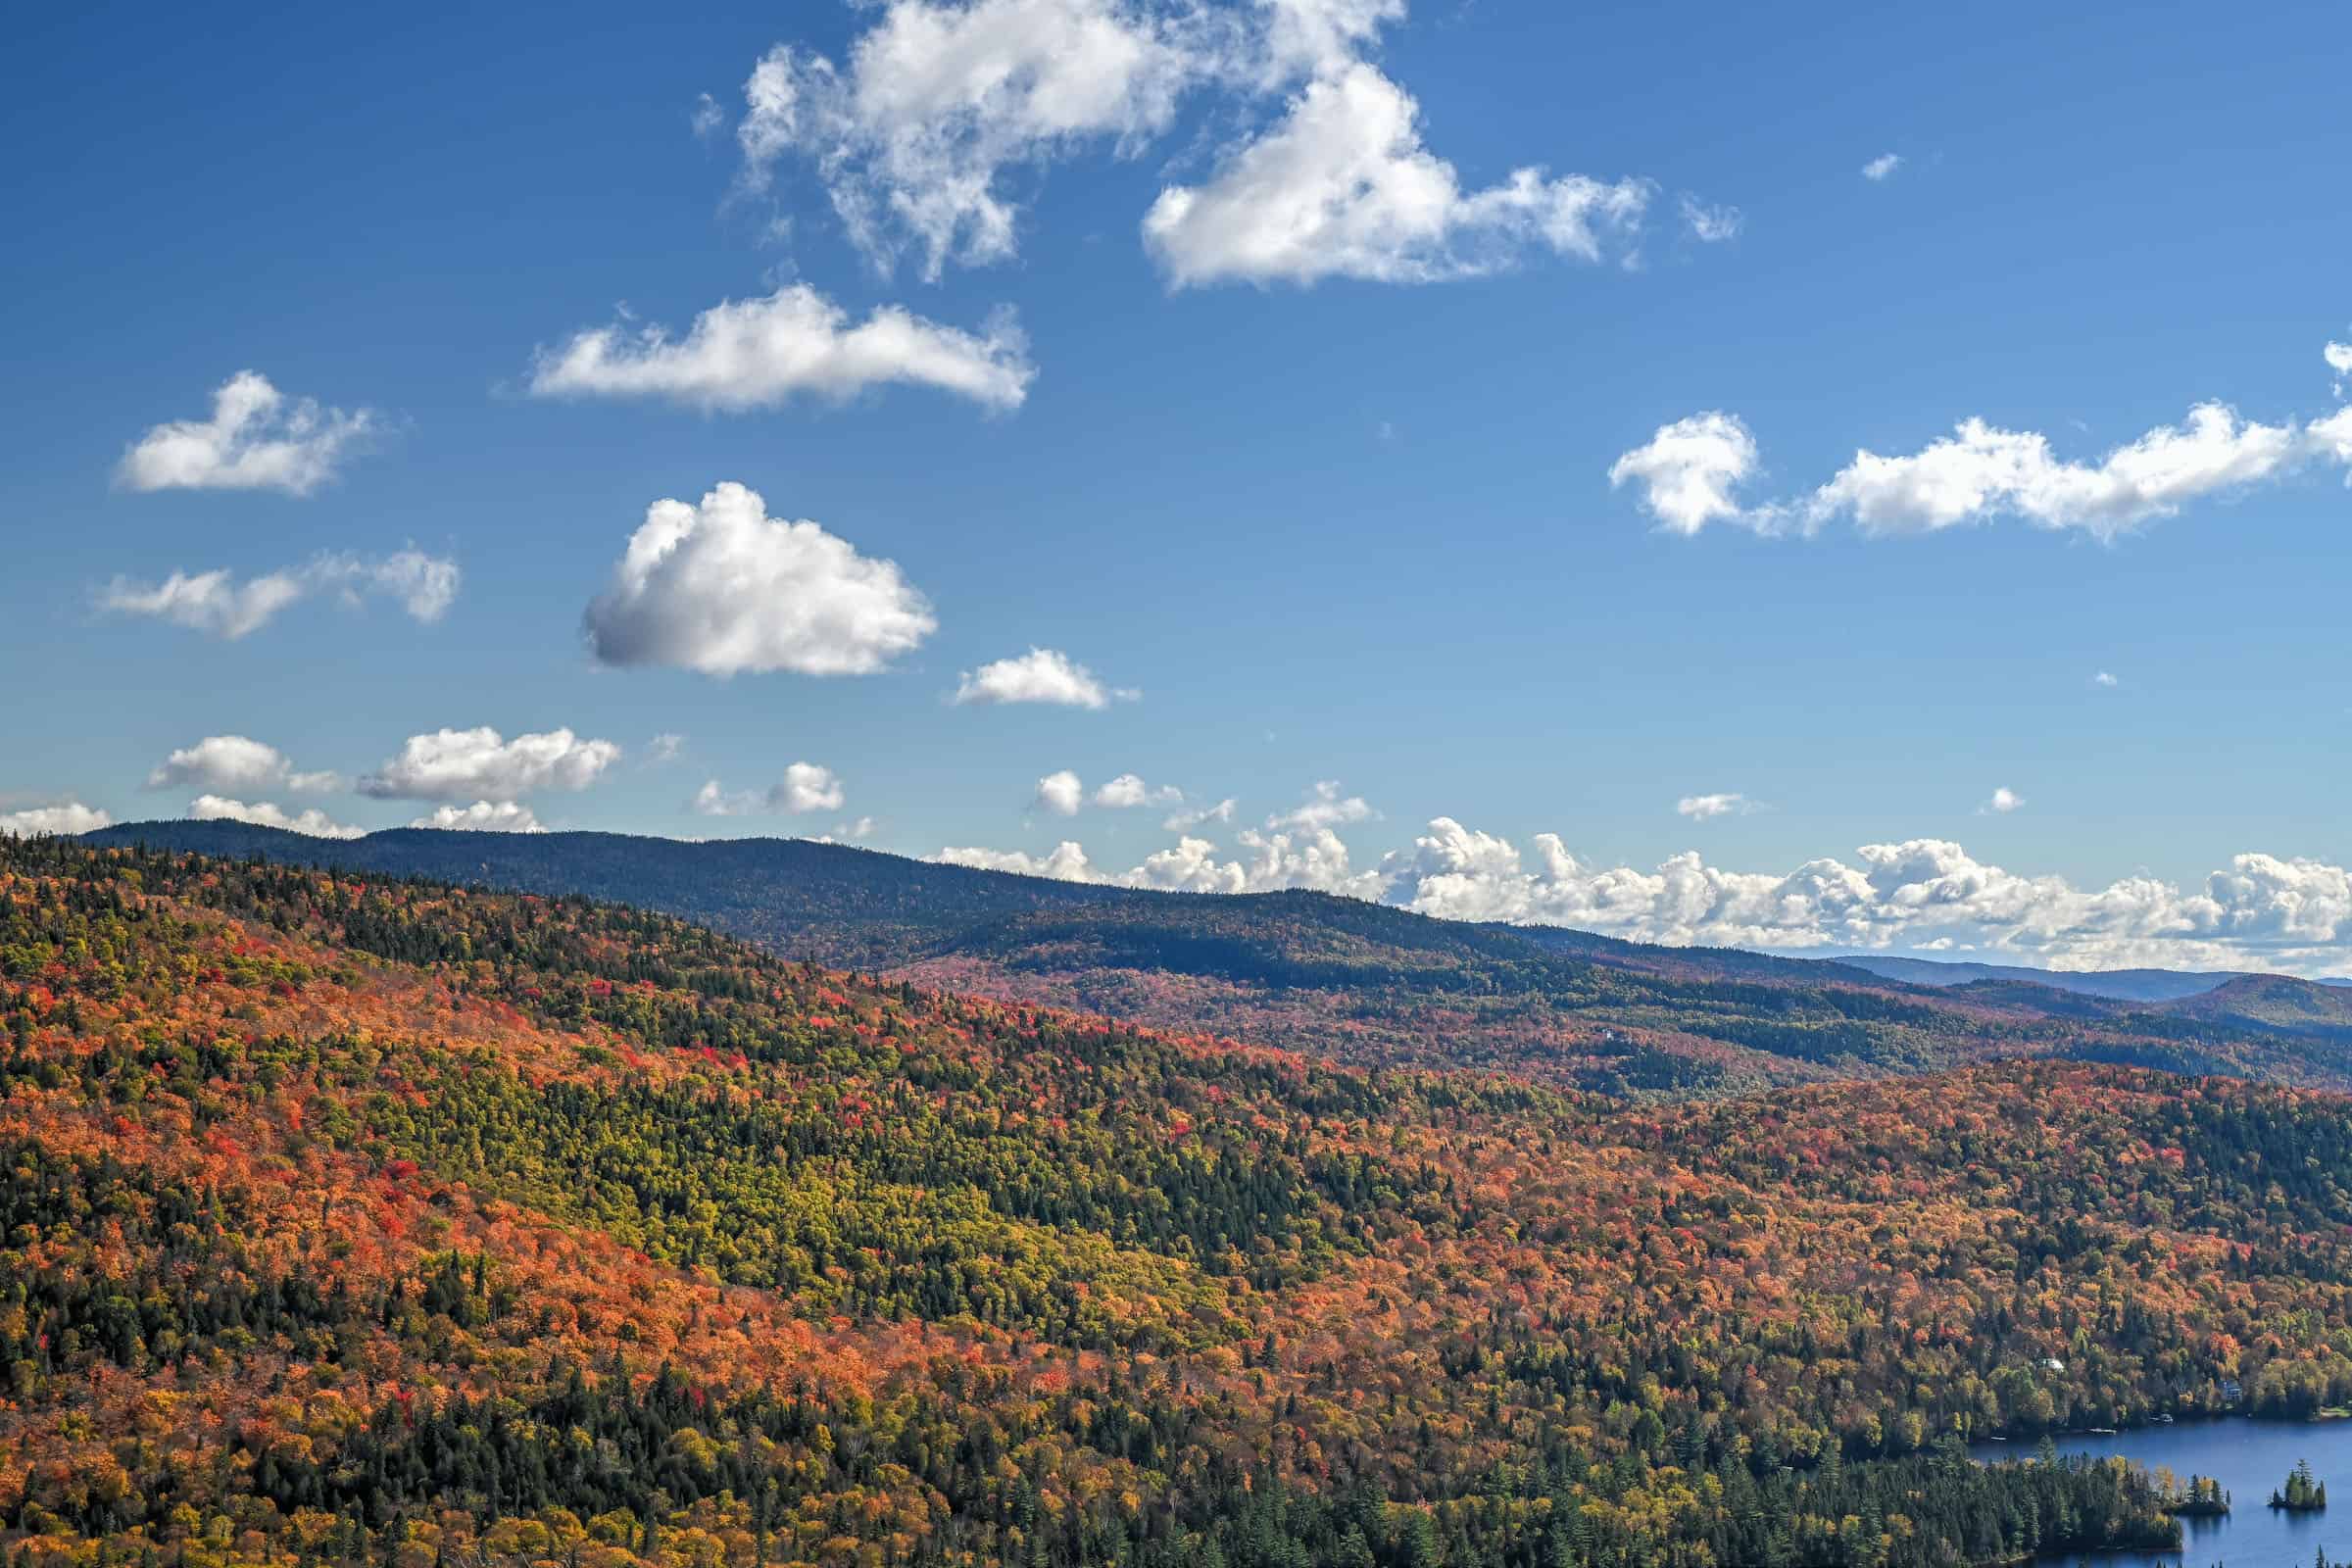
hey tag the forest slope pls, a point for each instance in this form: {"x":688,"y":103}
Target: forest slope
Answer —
{"x":1361,"y":982}
{"x":358,"y":1220}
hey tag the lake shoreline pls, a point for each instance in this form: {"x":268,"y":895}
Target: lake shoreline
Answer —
{"x":2245,"y":1455}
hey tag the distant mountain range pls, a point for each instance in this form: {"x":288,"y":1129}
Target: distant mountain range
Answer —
{"x":1367,"y":983}
{"x":2122,"y":985}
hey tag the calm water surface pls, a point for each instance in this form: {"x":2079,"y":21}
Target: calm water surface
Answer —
{"x":2249,"y":1458}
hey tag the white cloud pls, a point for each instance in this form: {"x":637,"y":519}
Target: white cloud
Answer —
{"x":216,"y":604}
{"x":1711,"y":225}
{"x":714,"y":800}
{"x":1310,"y":37}
{"x":1706,"y":807}
{"x":1922,"y":895}
{"x":665,"y":746}
{"x":2103,"y":678}
{"x":255,"y":440}
{"x":209,"y":601}
{"x":863,"y":827}
{"x":2330,"y":440}
{"x":450,"y":765}
{"x":1060,"y":793}
{"x":66,"y":816}
{"x":804,"y":787}
{"x":1692,"y":469}
{"x":260,"y":814}
{"x":1880,"y":167}
{"x":1314,"y":859}
{"x":918,"y":136}
{"x":1688,"y":471}
{"x":237,"y":763}
{"x":1983,"y":471}
{"x":937,"y":102}
{"x":1040,"y":675}
{"x":2263,"y":911}
{"x":1324,"y":807}
{"x":2002,"y":801}
{"x":1927,"y":894}
{"x":1342,"y":187}
{"x":1067,"y":864}
{"x":762,"y":353}
{"x":2340,"y":360}
{"x":482,"y":816}
{"x":723,"y":588}
{"x":425,"y":585}
{"x":1129,"y":790}
{"x":1198,"y":816}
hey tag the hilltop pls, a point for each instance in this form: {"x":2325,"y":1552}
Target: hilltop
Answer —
{"x":362,"y":1219}
{"x":1361,"y":982}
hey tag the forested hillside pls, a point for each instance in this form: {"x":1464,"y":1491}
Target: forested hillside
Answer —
{"x":1360,"y":981}
{"x":356,"y":1219}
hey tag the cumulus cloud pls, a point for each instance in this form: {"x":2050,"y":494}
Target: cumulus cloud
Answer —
{"x":1040,"y":675}
{"x":260,"y":814}
{"x":482,"y":816}
{"x":1060,"y":793}
{"x":918,"y":136}
{"x":1688,"y":471}
{"x":1342,"y":187}
{"x":450,"y":765}
{"x":1315,"y":860}
{"x":1691,"y":470}
{"x":665,"y":746}
{"x":1920,"y":895}
{"x":1706,"y":807}
{"x":237,"y":763}
{"x":1929,"y":894}
{"x":804,"y":787}
{"x":65,"y":817}
{"x":2103,"y":678}
{"x":1324,"y":807}
{"x":1982,"y":471}
{"x":1067,"y":864}
{"x":2340,"y":360}
{"x":218,"y":605}
{"x":2002,"y":801}
{"x":723,"y":588}
{"x":764,"y":352}
{"x":257,"y":439}
{"x":1880,"y":167}
{"x":1129,"y":790}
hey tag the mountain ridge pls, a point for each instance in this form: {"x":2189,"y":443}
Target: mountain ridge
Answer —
{"x":1357,"y":981}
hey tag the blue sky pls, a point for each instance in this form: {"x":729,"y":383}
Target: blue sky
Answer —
{"x":1328,"y":483}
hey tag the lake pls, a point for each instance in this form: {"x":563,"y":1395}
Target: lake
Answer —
{"x":2248,"y":1458}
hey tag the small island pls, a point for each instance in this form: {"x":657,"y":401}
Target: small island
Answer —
{"x":2302,"y":1493}
{"x":2202,"y":1498}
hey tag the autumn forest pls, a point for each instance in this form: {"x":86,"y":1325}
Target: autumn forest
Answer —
{"x":367,"y":1218}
